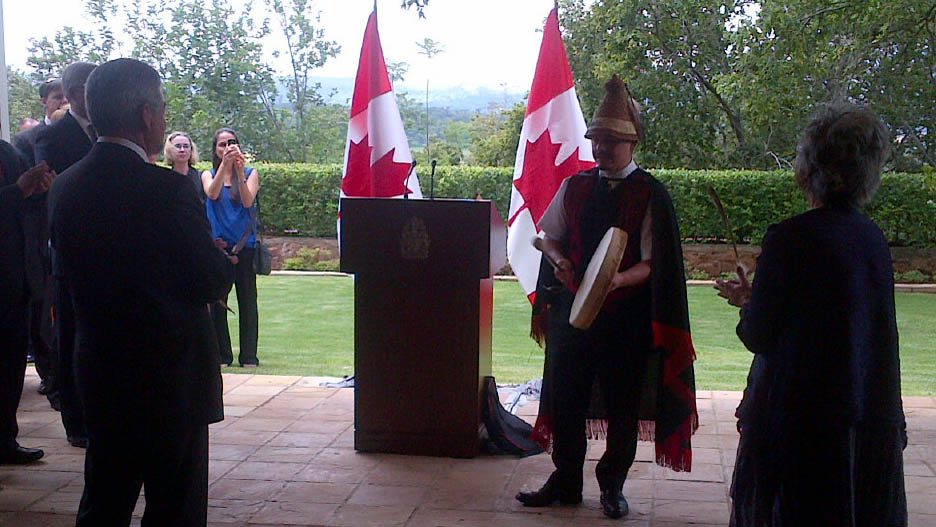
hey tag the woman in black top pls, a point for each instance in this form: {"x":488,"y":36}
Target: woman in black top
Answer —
{"x":181,"y":155}
{"x":821,"y":421}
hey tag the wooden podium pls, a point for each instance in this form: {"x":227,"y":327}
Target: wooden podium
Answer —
{"x":423,"y":308}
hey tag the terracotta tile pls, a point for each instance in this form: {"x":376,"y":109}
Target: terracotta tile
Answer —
{"x":302,"y":439}
{"x":921,"y":520}
{"x":365,"y":516}
{"x":280,"y":454}
{"x":272,"y":380}
{"x":921,"y":503}
{"x":231,"y":399}
{"x":316,"y":492}
{"x":294,"y":513}
{"x":232,"y":511}
{"x":321,"y":473}
{"x":265,"y":471}
{"x":244,"y":489}
{"x":37,"y":480}
{"x":387,"y":495}
{"x":57,"y":503}
{"x":346,"y":457}
{"x":691,"y":511}
{"x":231,"y":410}
{"x":450,"y":518}
{"x":12,"y":499}
{"x":240,"y":437}
{"x":690,"y":491}
{"x":37,"y":519}
{"x":218,"y":468}
{"x":258,"y":424}
{"x":319,"y":426}
{"x":230,"y":452}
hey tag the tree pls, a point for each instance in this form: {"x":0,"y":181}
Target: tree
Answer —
{"x":49,"y":57}
{"x":24,"y":99}
{"x":308,"y":50}
{"x":673,"y":54}
{"x":495,"y":135}
{"x":429,"y":48}
{"x":799,"y":54}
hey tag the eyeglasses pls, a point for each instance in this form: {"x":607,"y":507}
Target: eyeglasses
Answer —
{"x":182,"y":146}
{"x":229,"y":142}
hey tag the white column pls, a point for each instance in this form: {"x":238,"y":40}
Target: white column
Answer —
{"x":4,"y":85}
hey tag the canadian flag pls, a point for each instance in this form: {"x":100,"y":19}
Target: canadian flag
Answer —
{"x":552,"y":147}
{"x":377,"y":161}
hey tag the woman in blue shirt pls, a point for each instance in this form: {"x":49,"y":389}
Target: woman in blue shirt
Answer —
{"x":231,"y":188}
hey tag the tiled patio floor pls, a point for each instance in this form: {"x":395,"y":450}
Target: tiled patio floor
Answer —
{"x":284,"y":456}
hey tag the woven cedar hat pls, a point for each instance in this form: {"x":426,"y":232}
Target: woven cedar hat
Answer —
{"x":617,"y":114}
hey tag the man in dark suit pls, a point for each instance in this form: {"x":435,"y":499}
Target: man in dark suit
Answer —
{"x":14,"y":190}
{"x":52,"y":97}
{"x":135,"y":247}
{"x":61,"y":144}
{"x":67,"y":140}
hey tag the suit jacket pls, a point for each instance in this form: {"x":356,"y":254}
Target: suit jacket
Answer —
{"x":12,"y":266}
{"x":25,"y":143}
{"x":136,"y":250}
{"x":61,"y":144}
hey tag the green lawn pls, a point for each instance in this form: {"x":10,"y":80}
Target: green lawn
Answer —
{"x":306,"y":328}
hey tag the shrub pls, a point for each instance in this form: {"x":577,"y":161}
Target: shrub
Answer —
{"x":303,"y":199}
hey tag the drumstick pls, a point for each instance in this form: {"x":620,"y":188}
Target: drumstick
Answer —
{"x":538,"y":243}
{"x":724,"y":217}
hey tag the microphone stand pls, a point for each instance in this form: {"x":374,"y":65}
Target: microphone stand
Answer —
{"x":406,"y":190}
{"x":432,"y":181}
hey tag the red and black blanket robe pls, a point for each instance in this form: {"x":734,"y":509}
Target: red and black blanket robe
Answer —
{"x":668,"y":413}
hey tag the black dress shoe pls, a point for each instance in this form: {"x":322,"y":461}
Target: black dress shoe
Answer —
{"x":20,"y":456}
{"x":551,"y":492}
{"x":613,"y":504}
{"x":43,"y":388}
{"x":78,"y":441}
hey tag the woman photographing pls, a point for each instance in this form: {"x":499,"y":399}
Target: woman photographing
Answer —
{"x":821,"y":421}
{"x":231,"y":188}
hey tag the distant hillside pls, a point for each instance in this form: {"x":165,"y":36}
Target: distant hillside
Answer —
{"x":339,"y":91}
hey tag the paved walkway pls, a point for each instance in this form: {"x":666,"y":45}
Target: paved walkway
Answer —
{"x":284,"y":456}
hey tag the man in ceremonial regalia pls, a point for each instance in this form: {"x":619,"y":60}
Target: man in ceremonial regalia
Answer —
{"x":631,"y":372}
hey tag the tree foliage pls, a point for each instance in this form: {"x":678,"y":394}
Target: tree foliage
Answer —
{"x":731,"y":83}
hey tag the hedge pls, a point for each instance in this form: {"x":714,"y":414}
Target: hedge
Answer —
{"x":303,"y":200}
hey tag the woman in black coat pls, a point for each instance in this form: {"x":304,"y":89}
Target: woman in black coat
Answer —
{"x":821,"y":422}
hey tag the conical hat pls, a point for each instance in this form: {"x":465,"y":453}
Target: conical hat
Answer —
{"x":617,"y":114}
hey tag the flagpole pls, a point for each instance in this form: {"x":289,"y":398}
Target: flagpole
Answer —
{"x":4,"y":85}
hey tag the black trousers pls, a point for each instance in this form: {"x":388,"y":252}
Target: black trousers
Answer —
{"x":612,"y":352}
{"x":40,"y":334}
{"x":245,"y":286}
{"x":64,"y":344}
{"x":14,"y":331}
{"x":169,"y":462}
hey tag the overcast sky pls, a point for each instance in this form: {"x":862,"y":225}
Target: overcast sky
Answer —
{"x":492,"y":43}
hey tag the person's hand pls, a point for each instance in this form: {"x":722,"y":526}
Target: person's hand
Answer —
{"x":233,"y":259}
{"x":565,"y":273}
{"x":220,"y":243}
{"x":36,"y":180}
{"x":737,"y":292}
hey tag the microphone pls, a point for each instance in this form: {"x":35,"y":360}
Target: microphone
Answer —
{"x":432,"y":181}
{"x":406,"y":190}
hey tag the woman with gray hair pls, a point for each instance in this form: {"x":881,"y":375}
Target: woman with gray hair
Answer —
{"x":821,"y":421}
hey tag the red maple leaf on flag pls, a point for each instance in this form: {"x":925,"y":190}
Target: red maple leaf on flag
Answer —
{"x":385,"y":178}
{"x":541,"y":177}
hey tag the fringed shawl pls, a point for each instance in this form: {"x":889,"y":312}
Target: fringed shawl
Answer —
{"x":668,"y":406}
